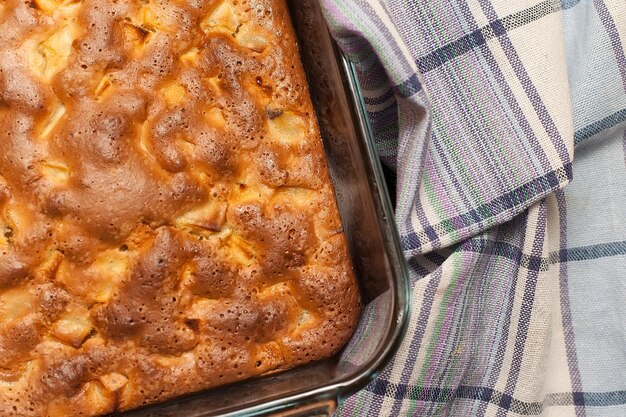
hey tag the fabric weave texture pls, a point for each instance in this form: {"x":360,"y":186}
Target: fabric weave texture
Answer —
{"x":505,"y":123}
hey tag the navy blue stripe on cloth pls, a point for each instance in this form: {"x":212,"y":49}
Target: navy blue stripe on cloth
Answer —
{"x":508,"y":201}
{"x":375,"y":101}
{"x":527,"y":83}
{"x":435,"y":258}
{"x":599,"y":126}
{"x":417,"y":267}
{"x":505,"y":250}
{"x":601,"y":250}
{"x":538,"y":263}
{"x":442,"y":395}
{"x":480,"y":36}
{"x":409,"y":87}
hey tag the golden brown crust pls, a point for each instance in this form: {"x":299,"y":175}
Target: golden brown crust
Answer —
{"x":167,"y":222}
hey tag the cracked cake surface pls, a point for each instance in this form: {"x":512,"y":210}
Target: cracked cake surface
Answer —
{"x":167,"y":221}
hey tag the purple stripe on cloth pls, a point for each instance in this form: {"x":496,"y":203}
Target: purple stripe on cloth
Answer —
{"x":416,"y":341}
{"x":424,"y":223}
{"x":503,"y":86}
{"x":476,"y":155}
{"x":437,"y":360}
{"x":487,"y":87}
{"x":505,"y":303}
{"x":365,"y":13}
{"x":480,"y":36}
{"x":419,"y":269}
{"x":518,"y":113}
{"x":509,"y":201}
{"x":376,"y":101}
{"x":616,"y":42}
{"x":529,"y":88}
{"x":452,"y":178}
{"x":506,"y":402}
{"x":506,"y":250}
{"x":526,"y":309}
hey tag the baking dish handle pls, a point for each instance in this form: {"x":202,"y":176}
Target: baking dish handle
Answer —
{"x":323,"y":408}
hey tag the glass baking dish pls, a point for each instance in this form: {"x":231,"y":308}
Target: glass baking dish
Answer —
{"x":368,"y":221}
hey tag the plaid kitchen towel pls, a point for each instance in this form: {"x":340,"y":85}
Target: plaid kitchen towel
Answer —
{"x":517,"y":249}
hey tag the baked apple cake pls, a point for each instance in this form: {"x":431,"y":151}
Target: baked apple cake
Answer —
{"x":167,"y":221}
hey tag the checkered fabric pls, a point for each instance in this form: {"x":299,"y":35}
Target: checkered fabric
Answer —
{"x":517,"y":248}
